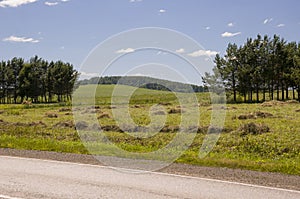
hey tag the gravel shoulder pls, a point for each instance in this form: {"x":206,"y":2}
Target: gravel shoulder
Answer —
{"x":235,"y":175}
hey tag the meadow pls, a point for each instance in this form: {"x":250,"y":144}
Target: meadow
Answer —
{"x":263,"y":137}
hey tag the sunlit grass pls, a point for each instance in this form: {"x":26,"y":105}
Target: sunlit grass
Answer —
{"x":29,"y":127}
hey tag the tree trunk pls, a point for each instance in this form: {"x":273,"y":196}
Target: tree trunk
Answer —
{"x":257,"y":93}
{"x":294,"y":97}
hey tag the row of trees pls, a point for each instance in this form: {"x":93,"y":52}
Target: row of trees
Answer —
{"x":37,"y":80}
{"x":145,"y":82}
{"x":262,"y":69}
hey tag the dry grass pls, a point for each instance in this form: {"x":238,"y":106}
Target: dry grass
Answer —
{"x":159,"y":113}
{"x":175,"y":111}
{"x":253,"y":128}
{"x":104,"y":115}
{"x":51,"y":115}
{"x":273,"y":103}
{"x":258,"y":114}
{"x":64,"y":110}
{"x":81,"y":125}
{"x":67,"y":124}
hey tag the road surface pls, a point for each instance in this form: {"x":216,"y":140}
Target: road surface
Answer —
{"x":33,"y":178}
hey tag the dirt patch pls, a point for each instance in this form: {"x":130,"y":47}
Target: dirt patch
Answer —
{"x":297,"y":111}
{"x":253,"y":129}
{"x":2,"y":111}
{"x":67,"y":124}
{"x":51,"y":115}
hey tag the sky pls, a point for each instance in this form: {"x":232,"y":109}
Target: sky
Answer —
{"x":71,"y":30}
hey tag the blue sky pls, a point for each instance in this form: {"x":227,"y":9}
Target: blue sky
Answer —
{"x":69,"y":29}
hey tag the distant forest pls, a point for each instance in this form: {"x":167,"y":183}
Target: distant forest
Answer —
{"x":145,"y":82}
{"x":262,"y":69}
{"x":36,"y":80}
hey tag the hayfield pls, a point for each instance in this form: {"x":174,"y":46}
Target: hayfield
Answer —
{"x":263,"y":137}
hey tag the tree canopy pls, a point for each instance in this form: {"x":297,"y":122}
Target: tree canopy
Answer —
{"x":37,"y":80}
{"x":261,"y":69}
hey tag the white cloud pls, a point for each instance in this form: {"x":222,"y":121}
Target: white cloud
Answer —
{"x":229,"y":34}
{"x":21,"y":39}
{"x":54,"y":3}
{"x":84,"y":75}
{"x":200,"y":53}
{"x":268,"y":20}
{"x":128,"y":50}
{"x":181,"y":50}
{"x":140,"y":74}
{"x":280,"y":25}
{"x":230,"y":24}
{"x":135,"y":1}
{"x":47,"y":3}
{"x":15,"y":3}
{"x":162,"y":11}
{"x":207,"y":28}
{"x":162,"y":53}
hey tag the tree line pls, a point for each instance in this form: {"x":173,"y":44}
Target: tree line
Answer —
{"x":145,"y":82}
{"x":36,"y":80}
{"x":263,"y":68}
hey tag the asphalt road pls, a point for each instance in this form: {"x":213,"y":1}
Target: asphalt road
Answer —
{"x":33,"y":178}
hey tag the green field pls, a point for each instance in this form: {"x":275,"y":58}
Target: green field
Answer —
{"x":264,"y":137}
